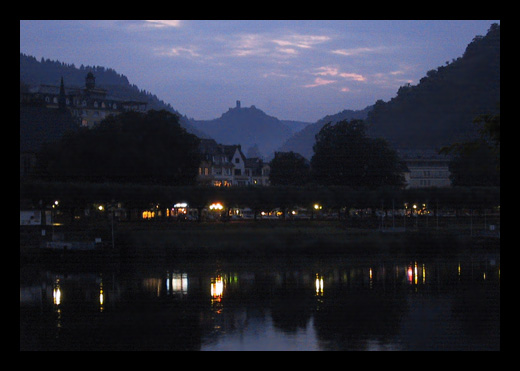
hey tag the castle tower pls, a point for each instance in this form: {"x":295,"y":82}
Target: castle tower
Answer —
{"x":62,"y":99}
{"x":238,"y":104}
{"x":90,"y":81}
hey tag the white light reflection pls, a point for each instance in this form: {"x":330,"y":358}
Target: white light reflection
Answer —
{"x":179,"y":283}
{"x":319,"y":285}
{"x":217,"y":288}
{"x":101,"y":296}
{"x":56,"y":293}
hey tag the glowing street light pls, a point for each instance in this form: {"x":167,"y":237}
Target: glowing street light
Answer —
{"x":216,"y":206}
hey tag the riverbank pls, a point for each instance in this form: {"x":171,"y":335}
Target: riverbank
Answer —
{"x":259,"y":239}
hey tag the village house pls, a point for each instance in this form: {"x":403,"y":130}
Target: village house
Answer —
{"x":226,"y":165}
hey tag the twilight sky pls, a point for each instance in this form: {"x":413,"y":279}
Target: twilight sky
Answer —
{"x":293,"y":70}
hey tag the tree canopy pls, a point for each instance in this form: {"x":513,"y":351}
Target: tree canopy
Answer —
{"x":133,"y":147}
{"x":289,"y":168}
{"x":345,"y":155}
{"x":477,"y":162}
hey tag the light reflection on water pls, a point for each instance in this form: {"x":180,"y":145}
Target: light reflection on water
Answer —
{"x":315,"y":304}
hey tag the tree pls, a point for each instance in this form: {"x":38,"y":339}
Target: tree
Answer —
{"x":477,"y":162}
{"x":345,"y":155}
{"x":133,"y":147}
{"x":475,"y":167}
{"x":289,"y":168}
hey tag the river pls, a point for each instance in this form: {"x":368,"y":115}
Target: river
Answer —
{"x":313,"y":303}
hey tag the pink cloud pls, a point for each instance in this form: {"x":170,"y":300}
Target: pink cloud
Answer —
{"x":319,"y":82}
{"x":353,"y":76}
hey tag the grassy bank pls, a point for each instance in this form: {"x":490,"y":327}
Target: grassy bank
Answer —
{"x":259,"y":239}
{"x":265,"y":238}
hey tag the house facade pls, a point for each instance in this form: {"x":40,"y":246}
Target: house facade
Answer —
{"x":432,"y":171}
{"x":226,"y":165}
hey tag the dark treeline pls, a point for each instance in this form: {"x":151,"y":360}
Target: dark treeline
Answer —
{"x":333,"y":198}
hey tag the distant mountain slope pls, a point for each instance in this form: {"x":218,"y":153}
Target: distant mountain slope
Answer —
{"x":248,"y":127}
{"x":296,"y":126}
{"x":303,"y":141}
{"x":440,"y":109}
{"x":45,"y":71}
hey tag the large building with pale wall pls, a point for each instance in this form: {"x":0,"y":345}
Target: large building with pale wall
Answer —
{"x":426,"y":172}
{"x":88,"y":105}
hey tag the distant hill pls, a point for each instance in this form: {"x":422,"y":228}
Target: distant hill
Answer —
{"x":440,"y":109}
{"x":35,"y":72}
{"x":296,"y":126}
{"x":249,"y":127}
{"x":303,"y":141}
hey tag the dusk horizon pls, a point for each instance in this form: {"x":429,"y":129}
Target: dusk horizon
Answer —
{"x":292,"y":70}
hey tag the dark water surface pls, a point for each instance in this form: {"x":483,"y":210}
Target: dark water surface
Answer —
{"x":290,"y":303}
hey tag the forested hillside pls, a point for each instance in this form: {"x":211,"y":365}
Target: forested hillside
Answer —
{"x":440,"y":109}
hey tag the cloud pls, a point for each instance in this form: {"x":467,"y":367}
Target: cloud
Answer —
{"x":301,"y":41}
{"x":262,"y":44}
{"x":327,"y":71}
{"x":287,"y":51}
{"x":164,"y":23}
{"x":334,"y":71}
{"x":318,"y":81}
{"x":178,"y":51}
{"x":246,"y":45}
{"x":353,"y":76}
{"x":356,"y":51}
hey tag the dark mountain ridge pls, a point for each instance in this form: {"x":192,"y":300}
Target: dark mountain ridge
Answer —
{"x":440,"y":109}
